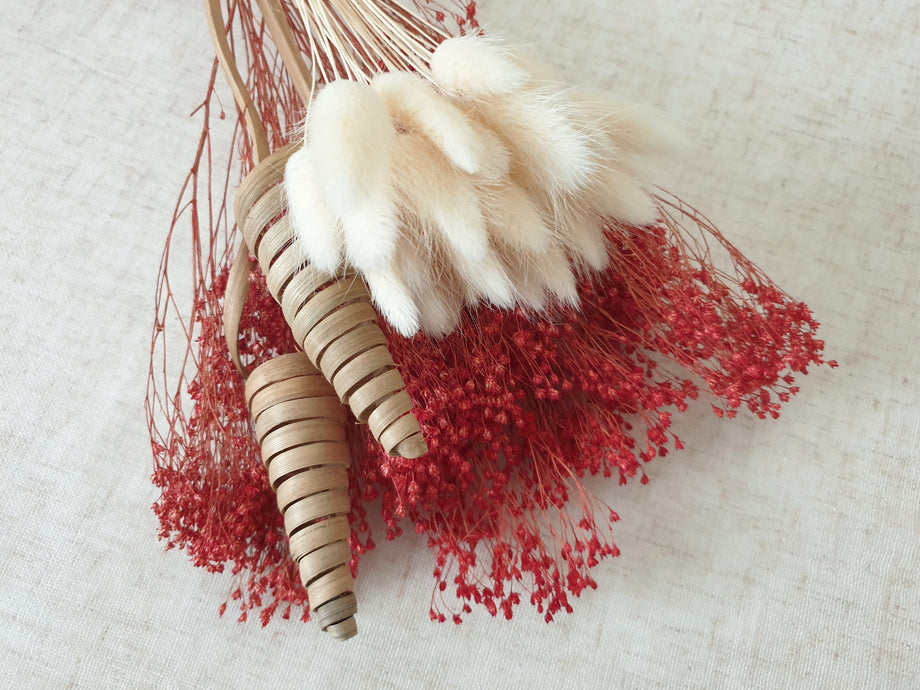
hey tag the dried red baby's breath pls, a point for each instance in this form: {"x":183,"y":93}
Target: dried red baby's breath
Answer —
{"x":517,"y":411}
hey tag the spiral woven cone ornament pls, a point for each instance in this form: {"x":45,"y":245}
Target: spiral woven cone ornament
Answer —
{"x":454,"y":292}
{"x":299,"y":424}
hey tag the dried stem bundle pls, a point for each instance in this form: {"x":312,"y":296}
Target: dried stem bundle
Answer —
{"x":355,"y":39}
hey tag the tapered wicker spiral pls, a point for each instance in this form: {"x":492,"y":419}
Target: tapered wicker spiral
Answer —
{"x":300,"y":426}
{"x":332,"y":319}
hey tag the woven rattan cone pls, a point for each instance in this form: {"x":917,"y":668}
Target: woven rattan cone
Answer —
{"x":297,"y":415}
{"x":302,"y":437}
{"x":332,"y":319}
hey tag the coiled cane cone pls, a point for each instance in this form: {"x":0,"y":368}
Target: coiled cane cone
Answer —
{"x":331,"y":318}
{"x":299,"y":424}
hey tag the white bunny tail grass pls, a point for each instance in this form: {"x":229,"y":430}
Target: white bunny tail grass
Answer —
{"x":436,"y":295}
{"x":350,"y":134}
{"x":487,"y":281}
{"x":583,"y":237}
{"x":555,"y":274}
{"x":540,"y":129}
{"x":496,"y":163}
{"x":438,"y":314}
{"x":392,"y":298}
{"x":620,"y":196}
{"x":513,"y":218}
{"x":521,"y":267}
{"x":634,"y":130}
{"x":537,"y":277}
{"x":371,"y":230}
{"x":442,"y":197}
{"x":316,"y":229}
{"x":476,"y":67}
{"x":538,"y":70}
{"x":416,"y":105}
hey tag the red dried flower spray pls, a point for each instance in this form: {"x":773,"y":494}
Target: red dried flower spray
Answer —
{"x":516,"y":408}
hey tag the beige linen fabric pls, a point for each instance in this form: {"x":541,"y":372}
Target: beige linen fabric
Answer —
{"x":768,"y":554}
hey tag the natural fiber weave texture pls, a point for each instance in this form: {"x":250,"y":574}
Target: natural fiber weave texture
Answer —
{"x":300,"y":426}
{"x":333,"y":320}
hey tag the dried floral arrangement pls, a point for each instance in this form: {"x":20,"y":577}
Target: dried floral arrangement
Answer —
{"x":456,"y":293}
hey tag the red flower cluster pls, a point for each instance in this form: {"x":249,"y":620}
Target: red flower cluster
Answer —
{"x":516,"y":410}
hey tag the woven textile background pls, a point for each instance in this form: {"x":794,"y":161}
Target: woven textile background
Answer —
{"x":767,"y":554}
